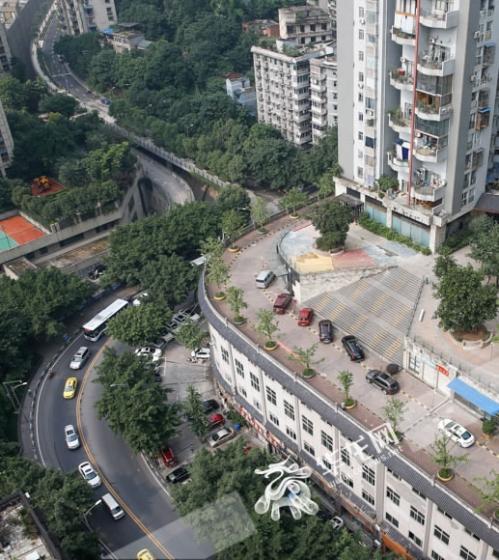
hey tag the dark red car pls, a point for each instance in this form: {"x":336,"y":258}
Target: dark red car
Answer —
{"x":281,"y":303}
{"x":167,"y":457}
{"x":216,"y":420}
{"x":305,"y":316}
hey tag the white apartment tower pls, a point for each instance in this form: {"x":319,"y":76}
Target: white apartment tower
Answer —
{"x":82,"y":16}
{"x":323,"y":95}
{"x":416,"y":94}
{"x":6,"y":142}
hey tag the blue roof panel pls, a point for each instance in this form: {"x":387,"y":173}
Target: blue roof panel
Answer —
{"x":480,"y":400}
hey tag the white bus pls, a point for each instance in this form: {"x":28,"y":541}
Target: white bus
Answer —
{"x":94,"y":329}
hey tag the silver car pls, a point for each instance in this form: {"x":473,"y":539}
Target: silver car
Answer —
{"x":221,"y":436}
{"x":71,"y":436}
{"x":89,"y":474}
{"x":79,"y":359}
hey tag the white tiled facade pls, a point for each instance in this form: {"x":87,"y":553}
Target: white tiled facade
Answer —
{"x":324,"y":96}
{"x":422,"y":76}
{"x":383,"y":500}
{"x":82,"y":16}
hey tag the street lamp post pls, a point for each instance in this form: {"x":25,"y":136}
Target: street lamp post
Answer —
{"x":11,"y":392}
{"x":85,"y":514}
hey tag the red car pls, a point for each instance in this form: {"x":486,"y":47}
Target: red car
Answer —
{"x":281,"y":303}
{"x":216,"y":420}
{"x":305,"y":316}
{"x":167,"y":457}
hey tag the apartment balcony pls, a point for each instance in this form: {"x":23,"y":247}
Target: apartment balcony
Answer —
{"x":398,"y":122}
{"x":431,"y":66}
{"x":402,"y":38}
{"x":430,"y":150}
{"x":401,"y":80}
{"x":433,"y":112}
{"x":438,"y":19}
{"x":398,"y":165}
{"x":431,"y":190}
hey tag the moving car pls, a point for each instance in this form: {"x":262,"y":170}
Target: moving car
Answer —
{"x":70,"y":388}
{"x":215,"y":420}
{"x":305,"y":316}
{"x":150,"y":352}
{"x":210,"y":405}
{"x":89,"y":474}
{"x":281,"y":303}
{"x":220,"y":437}
{"x":71,"y":437}
{"x":144,"y":554}
{"x":384,"y":381}
{"x":178,"y":475}
{"x":201,"y":354}
{"x":456,"y":432}
{"x":326,"y":331}
{"x":79,"y":359}
{"x":353,"y":349}
{"x":113,"y":506}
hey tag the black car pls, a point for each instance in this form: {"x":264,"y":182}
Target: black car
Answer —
{"x":384,"y":381}
{"x":326,"y":334}
{"x":352,"y":346}
{"x":210,"y":406}
{"x":178,"y":475}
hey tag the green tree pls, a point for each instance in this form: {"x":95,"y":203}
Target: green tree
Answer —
{"x":489,"y":491}
{"x":465,"y":303}
{"x":138,"y":325}
{"x":346,"y":381}
{"x":394,"y":413}
{"x":232,"y":224}
{"x":292,"y":200}
{"x":385,"y":183}
{"x":443,"y":456}
{"x":259,"y":213}
{"x":217,"y":272}
{"x":133,"y":405}
{"x":191,"y":335}
{"x":58,"y":103}
{"x":268,"y":326}
{"x":326,"y":184}
{"x":305,"y":357}
{"x":235,"y":198}
{"x":333,"y":220}
{"x":235,"y":299}
{"x":443,"y":264}
{"x":193,"y":407}
{"x":485,"y":245}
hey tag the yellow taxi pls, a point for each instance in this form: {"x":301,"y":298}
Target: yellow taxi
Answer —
{"x":70,"y":388}
{"x":144,"y":554}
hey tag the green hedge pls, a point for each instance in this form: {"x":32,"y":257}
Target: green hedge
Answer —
{"x":379,"y":229}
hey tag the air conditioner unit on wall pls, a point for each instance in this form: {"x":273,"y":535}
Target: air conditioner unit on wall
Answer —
{"x":476,"y":35}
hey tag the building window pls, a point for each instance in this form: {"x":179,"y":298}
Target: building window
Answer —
{"x":256,"y":404}
{"x":414,"y":363}
{"x":242,"y":390}
{"x":393,"y":474}
{"x":393,"y":496}
{"x":289,"y":410}
{"x":348,"y":481}
{"x":476,"y":537}
{"x":444,"y":513}
{"x":327,"y":441}
{"x":361,"y":117}
{"x":271,"y":396}
{"x":415,"y":539}
{"x":436,"y":556}
{"x":417,"y":515}
{"x":418,"y":493}
{"x":367,"y":497}
{"x":290,"y":433}
{"x":307,"y":425}
{"x":239,"y":368}
{"x":345,"y":456}
{"x":466,"y":554}
{"x":391,"y":519}
{"x":361,"y":77}
{"x":255,"y":382}
{"x":361,"y":34}
{"x":361,"y":13}
{"x":361,"y":136}
{"x":441,"y":535}
{"x":368,"y":474}
{"x":308,"y":448}
{"x":360,"y":172}
{"x":327,"y":464}
{"x":274,"y":419}
{"x":225,"y":355}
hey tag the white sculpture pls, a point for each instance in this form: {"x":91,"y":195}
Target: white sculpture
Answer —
{"x":286,"y":491}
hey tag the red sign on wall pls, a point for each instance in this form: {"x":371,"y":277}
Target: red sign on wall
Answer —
{"x":443,"y":370}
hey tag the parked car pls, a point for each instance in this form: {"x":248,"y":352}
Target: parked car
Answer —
{"x":151,"y":352}
{"x":210,"y":406}
{"x":384,"y":381}
{"x":337,"y":522}
{"x":305,"y":316}
{"x":140,"y":298}
{"x":216,"y":419}
{"x":70,"y":388}
{"x":201,"y":354}
{"x":89,"y":474}
{"x":264,"y":279}
{"x":456,"y":432}
{"x":168,"y":457}
{"x":353,"y":349}
{"x":178,"y":475}
{"x":79,"y":359}
{"x":144,"y":554}
{"x":71,"y":437}
{"x":220,"y":437}
{"x":281,"y":303}
{"x":326,"y":331}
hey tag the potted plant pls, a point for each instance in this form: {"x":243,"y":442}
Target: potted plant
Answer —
{"x":489,"y":493}
{"x":444,"y":458}
{"x":218,"y":274}
{"x":394,"y":413}
{"x":292,"y":200}
{"x":268,"y":326}
{"x":259,"y":214}
{"x":232,"y":224}
{"x":305,"y":357}
{"x":489,"y":426}
{"x":346,"y":381}
{"x":236,"y":302}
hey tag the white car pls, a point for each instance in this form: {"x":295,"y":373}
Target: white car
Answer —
{"x":79,"y":359}
{"x":337,"y":522}
{"x":220,"y":437}
{"x":151,"y":352}
{"x":89,"y":474}
{"x":71,"y":436}
{"x":201,"y":354}
{"x":139,"y":298}
{"x":456,"y":432}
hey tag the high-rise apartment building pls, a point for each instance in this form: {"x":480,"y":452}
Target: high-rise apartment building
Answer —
{"x":82,"y":16}
{"x":305,"y":25}
{"x":5,"y":54}
{"x":416,"y":94}
{"x":323,"y":95}
{"x":6,"y":142}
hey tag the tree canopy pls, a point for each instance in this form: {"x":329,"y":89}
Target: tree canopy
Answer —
{"x":333,"y":220}
{"x":139,"y":324}
{"x":485,"y":245}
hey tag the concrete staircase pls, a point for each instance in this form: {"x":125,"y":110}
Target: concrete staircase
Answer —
{"x":378,"y":310}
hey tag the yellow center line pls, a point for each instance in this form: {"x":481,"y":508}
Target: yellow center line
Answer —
{"x":93,"y":460}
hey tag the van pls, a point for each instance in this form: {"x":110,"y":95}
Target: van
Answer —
{"x":281,"y":303}
{"x":113,"y":506}
{"x":264,"y":279}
